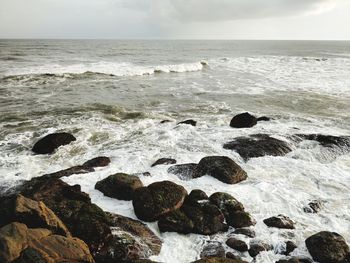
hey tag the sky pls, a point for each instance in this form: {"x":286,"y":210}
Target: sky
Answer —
{"x":176,"y":19}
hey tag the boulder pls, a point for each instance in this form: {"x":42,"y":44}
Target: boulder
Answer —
{"x":237,"y":244}
{"x":183,"y":171}
{"x":35,"y":214}
{"x":243,"y":120}
{"x":240,"y":219}
{"x":51,"y":142}
{"x":245,"y":231}
{"x":258,"y":145}
{"x":120,"y":186}
{"x":327,"y":247}
{"x":327,"y":140}
{"x":226,"y":203}
{"x":257,"y":247}
{"x":164,"y":161}
{"x":189,"y":122}
{"x":213,"y":249}
{"x":196,"y":196}
{"x":158,"y":199}
{"x":176,"y":221}
{"x":100,"y":161}
{"x":290,"y":247}
{"x":222,"y":168}
{"x":279,"y":221}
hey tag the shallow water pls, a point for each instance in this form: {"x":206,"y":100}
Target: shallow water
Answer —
{"x":112,"y":96}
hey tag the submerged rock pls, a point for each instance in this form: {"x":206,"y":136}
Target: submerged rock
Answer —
{"x":290,"y":247}
{"x":120,"y":186}
{"x":313,"y":207}
{"x":327,"y":140}
{"x":263,"y":118}
{"x":213,"y":249}
{"x":243,"y":120}
{"x":51,"y":142}
{"x":328,"y":247}
{"x":279,"y":221}
{"x":257,"y":247}
{"x":183,"y":171}
{"x":222,"y":168}
{"x":189,"y":122}
{"x":258,"y":145}
{"x":100,"y":161}
{"x":164,"y":161}
{"x":157,"y":199}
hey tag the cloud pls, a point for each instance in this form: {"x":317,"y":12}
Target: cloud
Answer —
{"x":226,"y":10}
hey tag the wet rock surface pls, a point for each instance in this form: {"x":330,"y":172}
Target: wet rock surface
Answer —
{"x":213,"y":249}
{"x":183,"y":171}
{"x":188,"y":122}
{"x":164,"y":161}
{"x":258,"y":145}
{"x":256,"y":248}
{"x":243,"y":120}
{"x":237,"y":244}
{"x":51,"y":142}
{"x":279,"y":221}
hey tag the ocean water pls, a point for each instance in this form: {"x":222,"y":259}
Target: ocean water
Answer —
{"x":112,"y":96}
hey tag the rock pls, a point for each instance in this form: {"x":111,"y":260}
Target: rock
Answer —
{"x":183,"y":171}
{"x":240,"y":219}
{"x":327,"y":140}
{"x":196,"y":196}
{"x":232,"y":256}
{"x":165,"y":121}
{"x":213,"y":249}
{"x":245,"y":231}
{"x":120,"y":186}
{"x":189,"y":122}
{"x":226,"y":203}
{"x":101,"y":161}
{"x":256,"y":248}
{"x":132,"y":240}
{"x":290,"y":247}
{"x":51,"y":142}
{"x":32,"y":213}
{"x":176,"y":221}
{"x":221,"y":168}
{"x":263,"y":118}
{"x":258,"y":145}
{"x":237,"y":244}
{"x":279,"y":221}
{"x":313,"y":207}
{"x":327,"y":247}
{"x":219,"y":260}
{"x":158,"y":199}
{"x":25,"y":245}
{"x":243,"y":120}
{"x":290,"y":260}
{"x":165,"y":161}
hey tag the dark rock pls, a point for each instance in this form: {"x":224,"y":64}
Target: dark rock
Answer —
{"x":189,"y":122}
{"x":196,"y":196}
{"x":51,"y":142}
{"x":258,"y":145}
{"x":165,"y":161}
{"x":327,"y":247}
{"x":165,"y":121}
{"x":313,"y":207}
{"x":237,"y":244}
{"x":219,"y":260}
{"x":183,"y":171}
{"x":290,"y":260}
{"x":279,"y":221}
{"x":263,"y":118}
{"x":327,"y":140}
{"x":240,"y":219}
{"x":232,"y":256}
{"x":120,"y":186}
{"x":245,"y":231}
{"x":290,"y":247}
{"x":158,"y":199}
{"x":213,"y":249}
{"x":226,"y":203}
{"x":101,"y":161}
{"x":243,"y":120}
{"x":176,"y":221}
{"x":222,"y":168}
{"x":256,"y":248}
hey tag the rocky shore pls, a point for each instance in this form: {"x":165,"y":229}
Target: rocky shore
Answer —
{"x":47,"y":220}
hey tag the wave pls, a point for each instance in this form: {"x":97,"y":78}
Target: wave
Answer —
{"x":107,"y":68}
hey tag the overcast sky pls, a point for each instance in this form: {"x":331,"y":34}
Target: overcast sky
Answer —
{"x":193,"y":19}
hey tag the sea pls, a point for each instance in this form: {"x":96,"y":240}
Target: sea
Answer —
{"x":113,"y":94}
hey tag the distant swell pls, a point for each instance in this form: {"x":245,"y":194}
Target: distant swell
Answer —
{"x":107,"y":68}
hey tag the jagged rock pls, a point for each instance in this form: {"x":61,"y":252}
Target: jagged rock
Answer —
{"x":164,"y":161}
{"x":222,"y":168}
{"x":226,"y":203}
{"x":32,"y":213}
{"x":256,"y":248}
{"x":245,"y":231}
{"x":120,"y":186}
{"x":237,"y":244}
{"x":313,"y":207}
{"x":158,"y":199}
{"x":189,"y":122}
{"x":258,"y":145}
{"x":279,"y":221}
{"x":219,"y":260}
{"x":183,"y":171}
{"x":327,"y":247}
{"x":213,"y":249}
{"x":243,"y":120}
{"x":100,"y":161}
{"x":51,"y":142}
